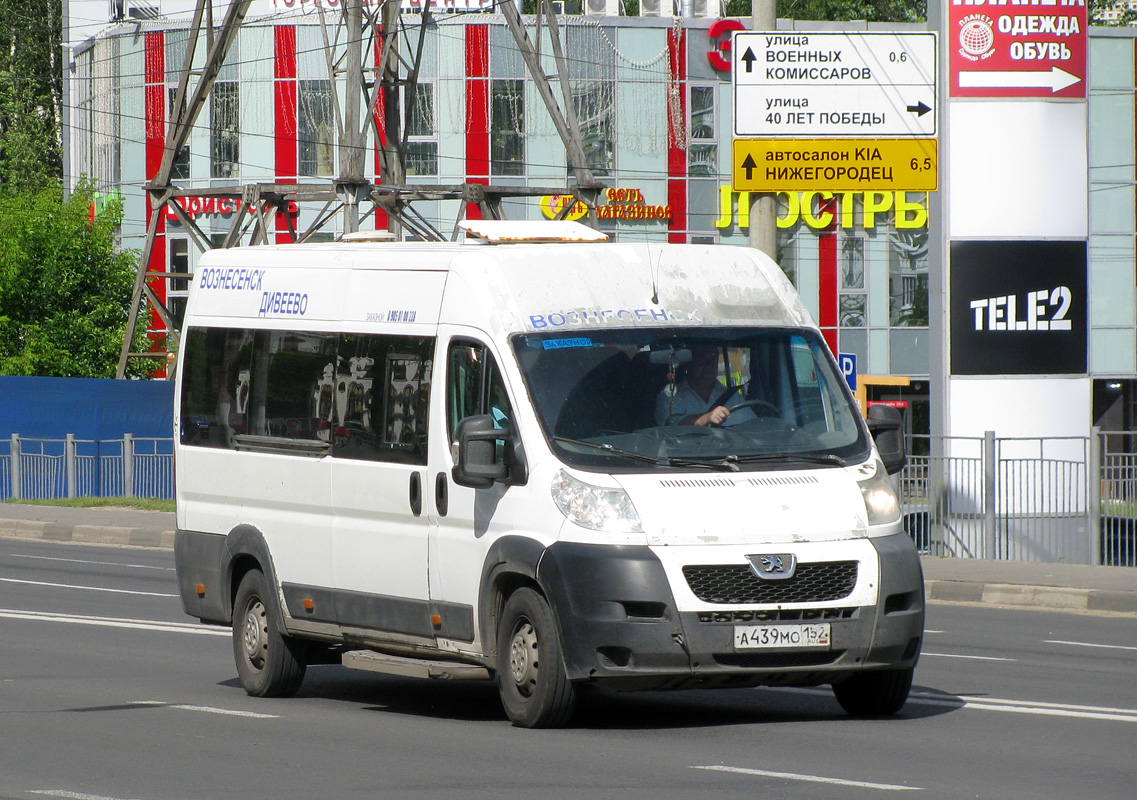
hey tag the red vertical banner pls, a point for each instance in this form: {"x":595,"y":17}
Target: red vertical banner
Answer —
{"x":827,"y":298}
{"x":477,"y":108}
{"x":154,"y":100}
{"x":379,"y":114}
{"x":286,"y":154}
{"x":677,"y":135}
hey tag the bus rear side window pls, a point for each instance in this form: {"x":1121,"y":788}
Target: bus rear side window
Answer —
{"x":364,"y":395}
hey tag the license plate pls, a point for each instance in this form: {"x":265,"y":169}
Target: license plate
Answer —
{"x":751,"y":637}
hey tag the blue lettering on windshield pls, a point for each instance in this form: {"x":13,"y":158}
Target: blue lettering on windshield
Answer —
{"x":573,"y":318}
{"x":561,"y":344}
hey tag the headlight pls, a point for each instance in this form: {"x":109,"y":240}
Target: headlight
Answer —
{"x":593,"y":507}
{"x":881,"y":502}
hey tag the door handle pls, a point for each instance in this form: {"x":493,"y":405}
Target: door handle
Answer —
{"x":441,"y":491}
{"x":416,"y":493}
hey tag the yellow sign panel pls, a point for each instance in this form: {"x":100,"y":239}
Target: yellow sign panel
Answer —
{"x":835,"y":165}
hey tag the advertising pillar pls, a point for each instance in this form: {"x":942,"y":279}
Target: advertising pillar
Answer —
{"x":1015,"y":356}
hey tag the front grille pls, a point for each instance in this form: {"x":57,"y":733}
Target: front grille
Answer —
{"x":778,"y":660}
{"x":811,"y":583}
{"x":777,"y":615}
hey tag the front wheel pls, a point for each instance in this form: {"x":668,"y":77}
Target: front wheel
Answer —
{"x":269,"y":664}
{"x":531,"y":678}
{"x":875,"y":694}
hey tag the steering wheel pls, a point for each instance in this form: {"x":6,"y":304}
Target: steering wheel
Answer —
{"x":756,"y":404}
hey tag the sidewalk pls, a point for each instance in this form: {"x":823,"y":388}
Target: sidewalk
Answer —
{"x":1065,"y":587}
{"x":121,"y":526}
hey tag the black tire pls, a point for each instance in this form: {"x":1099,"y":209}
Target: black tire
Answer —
{"x":530,"y":669}
{"x":269,"y":664}
{"x":875,"y":694}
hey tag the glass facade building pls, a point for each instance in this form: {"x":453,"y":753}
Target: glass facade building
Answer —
{"x":655,"y":113}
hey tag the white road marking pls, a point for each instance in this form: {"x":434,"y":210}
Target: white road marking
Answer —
{"x":1029,"y":707}
{"x":95,"y":563}
{"x":111,"y":622}
{"x":972,"y":658}
{"x":795,"y":776}
{"x":1090,"y":644}
{"x":71,"y":795}
{"x":88,"y":588}
{"x":980,"y":703}
{"x":206,"y":709}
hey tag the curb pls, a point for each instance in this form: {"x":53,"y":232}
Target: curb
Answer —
{"x":1056,"y":598}
{"x":86,"y":534}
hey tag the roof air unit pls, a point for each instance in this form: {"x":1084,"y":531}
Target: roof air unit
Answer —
{"x":657,"y":8}
{"x":602,"y":8}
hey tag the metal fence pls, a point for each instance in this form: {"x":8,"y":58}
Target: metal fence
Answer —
{"x":1057,"y":499}
{"x":43,"y":469}
{"x":1065,"y":499}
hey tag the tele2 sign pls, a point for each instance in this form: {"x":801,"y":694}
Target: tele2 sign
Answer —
{"x":834,"y":84}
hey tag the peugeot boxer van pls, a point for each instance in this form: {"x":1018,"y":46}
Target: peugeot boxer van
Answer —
{"x":536,"y":457}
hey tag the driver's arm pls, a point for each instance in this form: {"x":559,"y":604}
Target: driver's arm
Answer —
{"x":716,"y":416}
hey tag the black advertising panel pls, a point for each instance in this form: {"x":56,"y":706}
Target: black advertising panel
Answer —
{"x":1018,"y":308}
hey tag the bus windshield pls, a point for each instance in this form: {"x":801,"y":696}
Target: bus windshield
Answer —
{"x":691,"y":398}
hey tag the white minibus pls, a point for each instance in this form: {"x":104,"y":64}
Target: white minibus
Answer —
{"x":537,"y":457}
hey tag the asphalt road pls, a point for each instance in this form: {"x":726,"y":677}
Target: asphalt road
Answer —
{"x":107,"y":691}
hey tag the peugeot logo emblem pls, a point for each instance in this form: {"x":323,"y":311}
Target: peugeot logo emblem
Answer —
{"x":773,"y":567}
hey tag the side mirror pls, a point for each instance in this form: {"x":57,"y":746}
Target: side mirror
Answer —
{"x":886,"y":428}
{"x":477,"y":464}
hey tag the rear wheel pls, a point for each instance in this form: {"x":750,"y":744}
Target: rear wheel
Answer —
{"x":875,"y":694}
{"x":269,"y":664}
{"x":531,"y":678}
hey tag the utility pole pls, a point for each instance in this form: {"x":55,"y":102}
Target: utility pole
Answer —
{"x":395,"y":107}
{"x":351,"y":146}
{"x":763,"y":206}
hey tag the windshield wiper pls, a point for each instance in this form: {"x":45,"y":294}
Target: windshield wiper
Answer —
{"x":812,"y":458}
{"x":731,"y":462}
{"x":664,"y":461}
{"x":607,"y":448}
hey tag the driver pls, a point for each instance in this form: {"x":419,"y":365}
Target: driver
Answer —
{"x":690,"y":401}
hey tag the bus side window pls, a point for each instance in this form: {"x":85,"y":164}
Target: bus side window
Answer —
{"x":382,"y":392}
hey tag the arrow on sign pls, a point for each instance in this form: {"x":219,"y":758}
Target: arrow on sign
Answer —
{"x":749,"y":58}
{"x":1055,"y":80}
{"x":749,"y":165}
{"x":920,"y":109}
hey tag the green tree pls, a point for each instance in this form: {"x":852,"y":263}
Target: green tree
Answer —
{"x":1125,"y":16}
{"x":31,"y":93}
{"x":65,"y":289}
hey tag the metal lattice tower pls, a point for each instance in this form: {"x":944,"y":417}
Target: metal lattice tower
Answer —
{"x":366,"y":87}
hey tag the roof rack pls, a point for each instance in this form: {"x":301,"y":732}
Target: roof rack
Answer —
{"x":368,"y":236}
{"x":503,"y":231}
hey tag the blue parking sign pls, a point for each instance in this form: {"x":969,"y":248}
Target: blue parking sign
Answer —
{"x":848,"y":364}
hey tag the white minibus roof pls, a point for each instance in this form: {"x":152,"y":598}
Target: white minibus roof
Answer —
{"x":508,"y":276}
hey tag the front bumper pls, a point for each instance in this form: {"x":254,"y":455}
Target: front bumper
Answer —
{"x":620,"y":623}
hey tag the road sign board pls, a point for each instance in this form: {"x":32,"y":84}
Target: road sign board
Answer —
{"x":848,"y":364}
{"x":834,"y":84}
{"x":835,"y":165}
{"x":1018,"y":51}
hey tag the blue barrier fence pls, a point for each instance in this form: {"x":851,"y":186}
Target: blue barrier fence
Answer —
{"x":85,"y":437}
{"x":44,"y":469}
